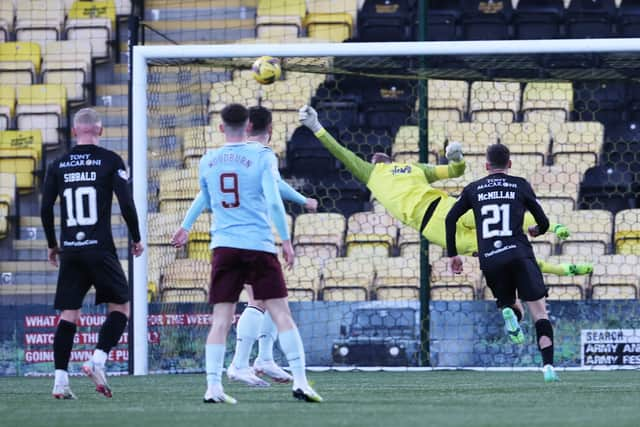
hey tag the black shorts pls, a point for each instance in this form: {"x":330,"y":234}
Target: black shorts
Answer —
{"x":81,"y":270}
{"x":519,"y":275}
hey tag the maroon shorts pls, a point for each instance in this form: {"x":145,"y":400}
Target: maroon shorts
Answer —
{"x":232,"y":268}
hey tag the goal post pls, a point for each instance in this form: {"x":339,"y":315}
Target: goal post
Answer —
{"x":143,"y":55}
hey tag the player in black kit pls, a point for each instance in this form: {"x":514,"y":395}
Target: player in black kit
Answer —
{"x":499,"y":202}
{"x":85,"y":179}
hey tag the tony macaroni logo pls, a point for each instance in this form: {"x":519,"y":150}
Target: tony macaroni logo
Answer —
{"x":401,"y":170}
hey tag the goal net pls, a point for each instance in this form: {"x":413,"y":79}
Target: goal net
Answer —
{"x":366,"y":291}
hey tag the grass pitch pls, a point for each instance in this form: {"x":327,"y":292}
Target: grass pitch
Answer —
{"x":372,"y":399}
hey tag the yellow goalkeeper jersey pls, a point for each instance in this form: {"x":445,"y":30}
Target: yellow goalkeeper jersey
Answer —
{"x":403,"y":189}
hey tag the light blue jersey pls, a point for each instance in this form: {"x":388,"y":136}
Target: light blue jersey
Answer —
{"x":240,"y":184}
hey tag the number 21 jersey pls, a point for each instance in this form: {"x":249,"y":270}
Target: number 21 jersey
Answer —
{"x":85,"y":179}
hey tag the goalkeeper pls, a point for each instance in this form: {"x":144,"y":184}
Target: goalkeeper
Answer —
{"x":405,"y":191}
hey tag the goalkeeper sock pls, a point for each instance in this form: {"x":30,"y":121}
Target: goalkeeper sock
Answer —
{"x":214,"y":360}
{"x":63,"y":343}
{"x":267,"y":338}
{"x":246,"y":335}
{"x":544,"y":329}
{"x":291,"y":345}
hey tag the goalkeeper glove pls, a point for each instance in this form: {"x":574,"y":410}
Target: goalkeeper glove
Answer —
{"x":454,"y":151}
{"x":309,"y":117}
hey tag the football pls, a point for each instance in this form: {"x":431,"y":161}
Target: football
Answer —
{"x":266,"y":70}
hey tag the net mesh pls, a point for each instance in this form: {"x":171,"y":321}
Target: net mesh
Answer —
{"x":355,"y":291}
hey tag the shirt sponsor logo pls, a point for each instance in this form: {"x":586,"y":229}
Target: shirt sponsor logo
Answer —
{"x":76,"y":160}
{"x":401,"y":170}
{"x":123,"y":174}
{"x":80,"y":243}
{"x":499,"y":251}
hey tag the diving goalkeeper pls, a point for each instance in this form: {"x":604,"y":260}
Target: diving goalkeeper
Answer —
{"x":405,"y":190}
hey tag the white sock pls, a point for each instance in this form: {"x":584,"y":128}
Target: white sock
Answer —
{"x":267,"y":338}
{"x":246,"y":335}
{"x":291,"y":345}
{"x":62,"y":377}
{"x":214,"y":360}
{"x":99,"y":357}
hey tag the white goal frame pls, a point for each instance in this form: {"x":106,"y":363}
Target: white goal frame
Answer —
{"x":142,"y":54}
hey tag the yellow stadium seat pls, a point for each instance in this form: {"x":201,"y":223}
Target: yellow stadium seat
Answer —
{"x":406,"y":143}
{"x":441,"y":274}
{"x":627,"y":231}
{"x":92,"y":21}
{"x":322,"y":230}
{"x":20,"y":154}
{"x":452,"y":292}
{"x":525,"y":165}
{"x":176,"y":296}
{"x":303,"y":279}
{"x":577,"y":142}
{"x":6,"y":20}
{"x":68,"y":63}
{"x":280,"y":18}
{"x":189,"y":277}
{"x":335,"y":27}
{"x":556,"y":207}
{"x":526,"y":137}
{"x":547,"y":102}
{"x":39,"y":20}
{"x":590,"y":233}
{"x":614,"y":291}
{"x":558,"y":181}
{"x":42,"y":107}
{"x":7,"y":200}
{"x":346,"y":280}
{"x":494,"y":102}
{"x":566,"y":287}
{"x":616,"y":277}
{"x":369,"y":230}
{"x":7,"y":105}
{"x":397,"y":278}
{"x":178,"y":184}
{"x":196,"y":141}
{"x":448,"y":95}
{"x":474,"y":136}
{"x":19,"y":62}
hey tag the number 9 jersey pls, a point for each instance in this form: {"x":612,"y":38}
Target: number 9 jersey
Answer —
{"x":86,"y":179}
{"x":499,"y":202}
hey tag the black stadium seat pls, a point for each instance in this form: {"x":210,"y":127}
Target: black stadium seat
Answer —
{"x":590,"y":19}
{"x":629,"y":18}
{"x":388,"y":104}
{"x":604,"y":101}
{"x":442,"y":19}
{"x":385,"y":20}
{"x":486,"y":20}
{"x":365,"y":141}
{"x":307,"y":157}
{"x":538,"y":19}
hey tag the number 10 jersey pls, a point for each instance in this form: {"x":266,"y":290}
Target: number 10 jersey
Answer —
{"x":86,"y":179}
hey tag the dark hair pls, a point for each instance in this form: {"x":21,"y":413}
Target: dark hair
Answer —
{"x":234,"y":116}
{"x":260,"y":118}
{"x":498,"y":156}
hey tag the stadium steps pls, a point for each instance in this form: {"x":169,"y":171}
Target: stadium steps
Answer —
{"x":189,"y":11}
{"x":187,"y":32}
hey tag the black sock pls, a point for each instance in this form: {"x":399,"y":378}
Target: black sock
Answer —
{"x":63,"y":343}
{"x":111,"y":331}
{"x":544,"y":329}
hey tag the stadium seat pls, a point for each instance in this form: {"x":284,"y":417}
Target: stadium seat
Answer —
{"x":406,"y":148}
{"x":370,"y":234}
{"x":187,"y":277}
{"x":590,"y":18}
{"x":281,"y":19}
{"x":577,"y":142}
{"x":19,"y":62}
{"x":441,"y":275}
{"x":566,"y":287}
{"x":306,"y":156}
{"x":452,"y":291}
{"x":68,"y":63}
{"x":290,"y":96}
{"x":442,"y":19}
{"x":447,"y":95}
{"x":6,"y":20}
{"x":315,"y":231}
{"x":538,"y":19}
{"x":20,"y":154}
{"x":178,"y":184}
{"x":495,"y":102}
{"x":558,"y":181}
{"x":590,"y":233}
{"x":603,"y":101}
{"x":388,"y":105}
{"x":331,"y":20}
{"x":160,"y":251}
{"x":627,"y":231}
{"x":7,"y":106}
{"x":385,"y":20}
{"x":7,"y":201}
{"x":547,"y":102}
{"x":39,"y":21}
{"x":42,"y":107}
{"x":303,"y":279}
{"x":364,"y":141}
{"x":196,"y":141}
{"x":607,"y":187}
{"x":482,"y":20}
{"x":92,"y":21}
{"x":346,"y":280}
{"x":200,"y":238}
{"x":397,"y":278}
{"x":616,"y":277}
{"x":526,"y":137}
{"x":475,"y":169}
{"x":629,"y":18}
{"x":474,"y":136}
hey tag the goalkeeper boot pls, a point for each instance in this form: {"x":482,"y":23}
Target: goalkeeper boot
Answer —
{"x":63,"y":392}
{"x":512,"y":326}
{"x":307,"y":394}
{"x":271,"y":370}
{"x":96,"y":373}
{"x":561,"y":231}
{"x":577,"y":269}
{"x":550,"y":375}
{"x":215,"y":394}
{"x":246,"y":375}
